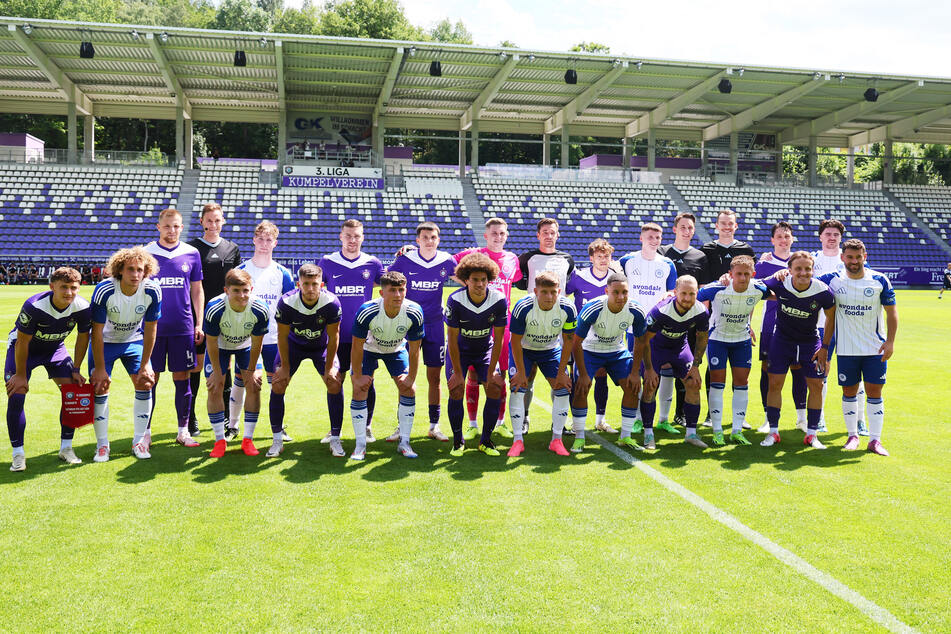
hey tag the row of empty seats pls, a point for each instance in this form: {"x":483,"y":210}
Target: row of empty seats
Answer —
{"x":932,"y":204}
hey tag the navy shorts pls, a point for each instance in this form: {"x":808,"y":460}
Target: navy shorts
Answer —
{"x":546,"y":360}
{"x":784,"y":353}
{"x":242,"y":358}
{"x":617,"y":364}
{"x":853,"y":369}
{"x":738,"y":353}
{"x":129,"y":353}
{"x":297,"y":354}
{"x":477,"y":362}
{"x":396,"y":363}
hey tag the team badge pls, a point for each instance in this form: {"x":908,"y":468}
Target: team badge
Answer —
{"x":139,"y":309}
{"x":555,"y":322}
{"x":70,"y":395}
{"x":714,"y":360}
{"x":70,"y":323}
{"x":84,"y":402}
{"x":208,"y":368}
{"x":400,"y":329}
{"x":750,"y":301}
{"x":813,"y":305}
{"x":248,"y":326}
{"x":624,"y":325}
{"x":659,"y":273}
{"x":24,"y":318}
{"x":869,"y":292}
{"x":842,"y":377}
{"x":442,"y":273}
{"x":184,"y":268}
{"x":366,"y":274}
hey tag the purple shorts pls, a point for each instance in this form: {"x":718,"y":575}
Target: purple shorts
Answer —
{"x":784,"y":353}
{"x":58,"y":363}
{"x":318,"y":357}
{"x":434,"y":349}
{"x":180,"y":351}
{"x":680,"y":361}
{"x":478,"y":362}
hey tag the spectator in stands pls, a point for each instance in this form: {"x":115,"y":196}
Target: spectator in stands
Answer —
{"x":215,"y":155}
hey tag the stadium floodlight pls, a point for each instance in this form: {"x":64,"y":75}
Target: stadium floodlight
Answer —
{"x":134,"y":34}
{"x":263,"y":42}
{"x":240,"y":59}
{"x":27,"y":28}
{"x":86,"y":50}
{"x":163,"y":37}
{"x":435,"y":68}
{"x":871,"y":95}
{"x":571,"y":76}
{"x":725,"y":86}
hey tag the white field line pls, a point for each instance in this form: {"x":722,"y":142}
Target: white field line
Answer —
{"x":872,"y":610}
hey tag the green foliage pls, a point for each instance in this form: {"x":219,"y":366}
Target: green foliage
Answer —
{"x":305,"y":21}
{"x":198,"y":14}
{"x":507,"y":44}
{"x":446,"y":31}
{"x":376,"y":19}
{"x":83,"y":10}
{"x":241,"y":15}
{"x":590,"y":47}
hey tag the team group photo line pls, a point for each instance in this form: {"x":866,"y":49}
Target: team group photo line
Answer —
{"x":646,"y":321}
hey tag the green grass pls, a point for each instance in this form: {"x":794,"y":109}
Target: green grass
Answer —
{"x":536,"y":543}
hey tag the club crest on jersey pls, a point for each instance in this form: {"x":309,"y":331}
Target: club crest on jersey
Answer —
{"x":555,"y":322}
{"x":750,"y":301}
{"x":185,"y":268}
{"x":813,"y":305}
{"x":442,"y":273}
{"x":366,"y":274}
{"x":139,"y":309}
{"x":248,"y":326}
{"x":70,"y":323}
{"x":400,"y":329}
{"x":869,"y":292}
{"x":659,"y":273}
{"x":624,"y":325}
{"x":24,"y":318}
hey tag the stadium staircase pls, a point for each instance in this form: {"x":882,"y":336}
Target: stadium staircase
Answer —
{"x":683,"y":207}
{"x":470,"y":201}
{"x":186,"y":196}
{"x":913,"y":216}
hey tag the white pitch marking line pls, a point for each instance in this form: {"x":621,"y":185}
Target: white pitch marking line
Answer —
{"x":872,"y":610}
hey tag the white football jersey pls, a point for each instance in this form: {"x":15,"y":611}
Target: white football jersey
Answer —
{"x":122,"y":315}
{"x":826,"y":264}
{"x":235,"y":329}
{"x":648,"y":280}
{"x":385,"y":334}
{"x":270,"y":284}
{"x":730,"y":310}
{"x":859,"y":322}
{"x":606,"y":332}
{"x":542,"y":329}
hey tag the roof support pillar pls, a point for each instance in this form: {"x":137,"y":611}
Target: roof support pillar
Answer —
{"x":889,"y":162}
{"x":651,"y":149}
{"x":282,"y":141}
{"x":626,"y":157}
{"x":779,"y":161}
{"x":71,"y":141}
{"x":850,"y":167}
{"x":179,"y":135}
{"x":734,"y":162}
{"x":813,"y":159}
{"x":564,"y":146}
{"x":89,"y":138}
{"x":462,"y":153}
{"x":474,"y":148}
{"x":546,"y":149}
{"x":189,"y":145}
{"x":376,"y":137}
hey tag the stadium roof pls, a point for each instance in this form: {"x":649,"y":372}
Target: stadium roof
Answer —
{"x":147,"y":72}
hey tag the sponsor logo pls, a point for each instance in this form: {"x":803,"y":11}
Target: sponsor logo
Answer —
{"x":171,"y":282}
{"x":475,"y":334}
{"x":307,"y":333}
{"x":727,"y":301}
{"x":425,"y":285}
{"x":113,"y":309}
{"x":533,"y":322}
{"x":792,"y":311}
{"x":349,"y":290}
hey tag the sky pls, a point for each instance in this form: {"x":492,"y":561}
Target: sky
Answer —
{"x":907,"y":37}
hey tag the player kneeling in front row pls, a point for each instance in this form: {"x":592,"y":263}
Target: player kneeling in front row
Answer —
{"x":475,"y":318}
{"x":731,"y":341}
{"x":381,"y":331}
{"x":44,"y":322}
{"x":235,"y":325}
{"x":668,"y":325}
{"x":600,"y":341}
{"x":542,"y":326}
{"x":308,"y":325}
{"x":125,"y":311}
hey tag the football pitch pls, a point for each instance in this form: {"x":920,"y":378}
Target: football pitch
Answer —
{"x":725,"y":539}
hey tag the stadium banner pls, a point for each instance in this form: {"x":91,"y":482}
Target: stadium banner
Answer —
{"x":912,"y":275}
{"x":334,"y":129}
{"x":326,"y":177}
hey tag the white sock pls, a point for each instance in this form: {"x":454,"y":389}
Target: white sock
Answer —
{"x":716,"y":405}
{"x":19,"y":451}
{"x":637,"y":410}
{"x":665,"y":396}
{"x":825,"y":390}
{"x":876,"y":418}
{"x":802,"y":416}
{"x":577,"y":425}
{"x":358,"y":414}
{"x":598,"y":419}
{"x":249,"y":425}
{"x":65,"y":443}
{"x":472,"y":423}
{"x":235,"y":405}
{"x":860,"y":409}
{"x":627,"y":422}
{"x":850,"y":413}
{"x":405,"y":413}
{"x":517,"y":412}
{"x":101,"y":420}
{"x":141,"y":411}
{"x":741,"y":399}
{"x":278,"y":438}
{"x":219,"y":429}
{"x":560,"y":405}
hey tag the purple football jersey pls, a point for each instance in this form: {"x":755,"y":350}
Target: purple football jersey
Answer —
{"x":476,"y":321}
{"x":48,"y":325}
{"x":308,"y":324}
{"x":584,"y":285}
{"x":764,"y":270}
{"x":424,"y":282}
{"x":352,"y":282}
{"x":798,"y":311}
{"x":178,"y":268}
{"x":670,"y":326}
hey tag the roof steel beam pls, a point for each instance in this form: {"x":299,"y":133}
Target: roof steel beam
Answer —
{"x":171,"y":81}
{"x":901,"y":127}
{"x":828,"y":121}
{"x":279,"y":65}
{"x":396,"y":62}
{"x":748,"y":117}
{"x":577,"y":105}
{"x":671,"y":107}
{"x":488,"y":93}
{"x":67,"y":88}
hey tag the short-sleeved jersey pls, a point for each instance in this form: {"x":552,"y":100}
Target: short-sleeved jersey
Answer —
{"x":542,"y":329}
{"x":48,"y":325}
{"x":308,"y":324}
{"x":216,"y":260}
{"x":352,"y":282}
{"x":798,"y":311}
{"x":476,"y":321}
{"x":232,"y":328}
{"x":719,"y":257}
{"x":826,"y":264}
{"x":584,"y":286}
{"x":605,"y":331}
{"x":533,"y":262}
{"x":648,"y":280}
{"x":509,"y":271}
{"x":179,"y":266}
{"x":764,"y":269}
{"x":270,"y":284}
{"x":121,"y":314}
{"x":384,"y":334}
{"x":424,"y":282}
{"x":730,"y":309}
{"x":690,"y":262}
{"x":947,"y":275}
{"x":671,"y":327}
{"x":859,"y":323}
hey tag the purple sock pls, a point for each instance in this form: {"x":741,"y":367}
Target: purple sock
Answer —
{"x":600,"y":395}
{"x":183,"y":400}
{"x":813,"y":416}
{"x":456,"y":411}
{"x":772,"y":415}
{"x":692,"y":414}
{"x":799,"y":388}
{"x":647,"y":413}
{"x":764,"y":388}
{"x":490,"y":415}
{"x":434,"y":414}
{"x":16,"y":419}
{"x":371,"y":404}
{"x":335,"y":409}
{"x":275,"y":409}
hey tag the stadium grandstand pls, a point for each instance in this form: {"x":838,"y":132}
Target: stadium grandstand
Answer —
{"x":334,"y":100}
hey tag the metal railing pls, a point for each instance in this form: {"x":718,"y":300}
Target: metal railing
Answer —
{"x":61,"y":156}
{"x":313,"y":155}
{"x":570,"y":174}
